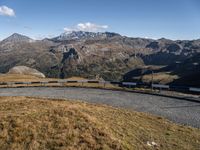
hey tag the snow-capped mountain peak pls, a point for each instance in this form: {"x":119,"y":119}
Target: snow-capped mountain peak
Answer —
{"x":80,"y":35}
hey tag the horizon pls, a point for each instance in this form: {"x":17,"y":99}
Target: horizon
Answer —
{"x":175,"y":20}
{"x":98,"y":32}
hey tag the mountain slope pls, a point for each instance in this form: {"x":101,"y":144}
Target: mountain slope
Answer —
{"x":87,"y":54}
{"x":14,"y":42}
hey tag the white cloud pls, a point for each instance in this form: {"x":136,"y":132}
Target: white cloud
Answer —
{"x":6,"y":11}
{"x":69,"y":29}
{"x":90,"y":27}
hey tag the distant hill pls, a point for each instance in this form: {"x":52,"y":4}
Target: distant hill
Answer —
{"x":17,"y":38}
{"x":88,"y":54}
{"x":23,"y":70}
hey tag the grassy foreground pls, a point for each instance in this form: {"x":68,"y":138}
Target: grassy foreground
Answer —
{"x":36,"y":123}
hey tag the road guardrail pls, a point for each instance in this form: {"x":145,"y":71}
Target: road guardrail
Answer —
{"x":121,"y":84}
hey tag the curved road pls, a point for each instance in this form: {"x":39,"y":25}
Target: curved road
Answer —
{"x":176,"y":110}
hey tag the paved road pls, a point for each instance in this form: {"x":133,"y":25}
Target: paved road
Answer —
{"x":176,"y":110}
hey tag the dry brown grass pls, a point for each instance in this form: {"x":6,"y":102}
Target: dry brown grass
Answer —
{"x":162,"y":78}
{"x":18,"y":78}
{"x":33,"y":123}
{"x":29,"y":78}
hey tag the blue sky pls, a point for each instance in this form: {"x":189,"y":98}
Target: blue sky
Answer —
{"x":174,"y":19}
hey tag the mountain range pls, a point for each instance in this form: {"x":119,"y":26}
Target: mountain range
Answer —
{"x":108,"y":55}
